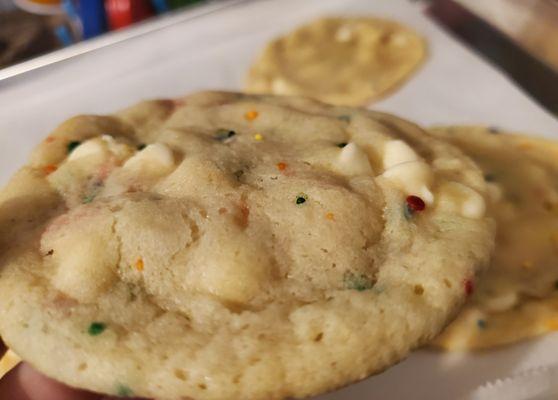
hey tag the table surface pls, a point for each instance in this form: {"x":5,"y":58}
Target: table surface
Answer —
{"x":214,"y":50}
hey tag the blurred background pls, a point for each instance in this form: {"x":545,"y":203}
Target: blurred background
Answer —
{"x":32,"y":27}
{"x":519,"y":36}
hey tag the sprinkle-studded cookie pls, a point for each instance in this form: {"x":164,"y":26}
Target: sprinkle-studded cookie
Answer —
{"x":228,"y":246}
{"x":517,"y":297}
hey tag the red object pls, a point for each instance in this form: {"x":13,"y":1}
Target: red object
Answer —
{"x":415,"y":203}
{"x":469,"y":286}
{"x":121,"y":13}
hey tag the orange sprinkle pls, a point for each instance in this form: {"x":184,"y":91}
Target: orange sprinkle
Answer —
{"x":49,"y":169}
{"x":139,"y":264}
{"x":281,"y":166}
{"x":50,"y":139}
{"x":551,"y":324}
{"x":251,"y":115}
{"x":330,"y":216}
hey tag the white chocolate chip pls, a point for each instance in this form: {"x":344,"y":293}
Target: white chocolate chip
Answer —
{"x":280,"y":86}
{"x":155,"y":156}
{"x":398,"y":39}
{"x":398,"y":152}
{"x":88,"y":148}
{"x":457,"y":197}
{"x":344,"y":33}
{"x":494,"y":192}
{"x":100,"y":147}
{"x":404,"y":168}
{"x":501,"y":301}
{"x":412,"y":177}
{"x":353,"y":161}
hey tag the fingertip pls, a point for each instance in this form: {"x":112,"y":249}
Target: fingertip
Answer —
{"x":38,"y":387}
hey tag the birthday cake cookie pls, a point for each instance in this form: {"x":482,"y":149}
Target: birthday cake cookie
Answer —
{"x":229,"y":246}
{"x":517,"y":297}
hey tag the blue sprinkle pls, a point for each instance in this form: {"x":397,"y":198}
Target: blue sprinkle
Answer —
{"x":481,"y":323}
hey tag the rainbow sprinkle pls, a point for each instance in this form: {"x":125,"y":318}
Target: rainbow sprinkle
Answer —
{"x":251,"y":115}
{"x":49,"y":169}
{"x":301,"y":198}
{"x":96,"y":328}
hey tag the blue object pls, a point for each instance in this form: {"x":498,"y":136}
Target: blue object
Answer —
{"x":64,"y":35}
{"x":160,"y":6}
{"x":92,"y":16}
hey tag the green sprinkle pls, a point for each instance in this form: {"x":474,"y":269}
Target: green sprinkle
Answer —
{"x":88,"y":199}
{"x":346,"y":118}
{"x":141,"y":146}
{"x":224,"y":134}
{"x":489,"y":177}
{"x":481,"y":323}
{"x":96,"y":328}
{"x":357,"y":282}
{"x":301,"y":198}
{"x":342,"y":144}
{"x":123,"y":391}
{"x":72,"y":145}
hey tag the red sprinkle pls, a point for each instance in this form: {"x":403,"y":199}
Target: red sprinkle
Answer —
{"x":469,"y":286}
{"x":48,"y":169}
{"x":415,"y":203}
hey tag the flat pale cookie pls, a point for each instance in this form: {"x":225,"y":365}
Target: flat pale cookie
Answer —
{"x":226,"y":246}
{"x":7,"y":362}
{"x":344,"y":61}
{"x":517,"y":298}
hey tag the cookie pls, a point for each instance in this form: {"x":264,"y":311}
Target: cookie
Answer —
{"x":344,"y":61}
{"x":518,"y":297}
{"x":7,"y":362}
{"x":226,"y":246}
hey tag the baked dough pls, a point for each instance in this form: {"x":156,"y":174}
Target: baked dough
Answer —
{"x":344,"y":61}
{"x":226,"y":246}
{"x":518,"y":296}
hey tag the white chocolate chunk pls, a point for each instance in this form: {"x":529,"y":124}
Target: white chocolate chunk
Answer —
{"x":353,"y":161}
{"x":412,"y":177}
{"x":457,"y":197}
{"x":84,"y":253}
{"x":233,"y":271}
{"x":156,"y":156}
{"x":280,"y":86}
{"x":494,"y":192}
{"x":344,"y":33}
{"x":404,"y":168}
{"x":100,"y":147}
{"x":93,"y":147}
{"x":501,"y":301}
{"x":398,"y":152}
